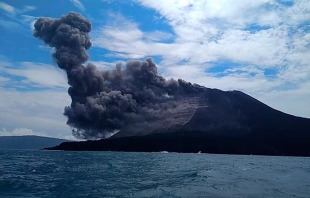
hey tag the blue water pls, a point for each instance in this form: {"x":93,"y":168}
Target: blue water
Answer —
{"x":116,"y":174}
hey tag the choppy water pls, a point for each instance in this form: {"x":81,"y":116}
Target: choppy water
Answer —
{"x":116,"y":174}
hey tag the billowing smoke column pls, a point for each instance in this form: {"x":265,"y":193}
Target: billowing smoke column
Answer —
{"x":135,"y":97}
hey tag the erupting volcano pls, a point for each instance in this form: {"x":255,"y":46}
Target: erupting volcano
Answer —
{"x":158,"y":113}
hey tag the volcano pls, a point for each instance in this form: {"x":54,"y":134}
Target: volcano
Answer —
{"x":151,"y":113}
{"x":224,"y":122}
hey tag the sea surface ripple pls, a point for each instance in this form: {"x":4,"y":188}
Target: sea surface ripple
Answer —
{"x":119,"y":174}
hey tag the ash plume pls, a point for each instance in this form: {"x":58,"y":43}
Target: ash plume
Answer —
{"x":132,"y":97}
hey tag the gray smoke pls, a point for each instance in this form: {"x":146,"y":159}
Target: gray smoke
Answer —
{"x":136,"y":97}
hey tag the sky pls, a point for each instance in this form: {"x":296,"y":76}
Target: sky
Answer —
{"x":260,"y":47}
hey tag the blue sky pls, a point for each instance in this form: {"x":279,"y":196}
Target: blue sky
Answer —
{"x":260,"y":47}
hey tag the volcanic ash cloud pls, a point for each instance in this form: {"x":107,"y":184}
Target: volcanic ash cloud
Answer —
{"x":133,"y":97}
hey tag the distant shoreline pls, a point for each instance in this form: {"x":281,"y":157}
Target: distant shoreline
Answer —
{"x":190,"y":143}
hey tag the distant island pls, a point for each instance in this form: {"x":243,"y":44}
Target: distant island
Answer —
{"x":28,"y":142}
{"x":230,"y":123}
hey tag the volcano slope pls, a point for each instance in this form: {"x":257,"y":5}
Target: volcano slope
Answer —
{"x":224,"y":122}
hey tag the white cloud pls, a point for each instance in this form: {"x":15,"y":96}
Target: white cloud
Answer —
{"x":157,"y":36}
{"x":250,"y":80}
{"x":193,"y":13}
{"x":33,"y":74}
{"x":293,"y":101}
{"x":28,"y":8}
{"x":24,"y":108}
{"x":15,"y":18}
{"x":253,"y":35}
{"x":36,"y":103}
{"x":40,"y":111}
{"x":126,"y":40}
{"x":38,"y":74}
{"x":20,"y":132}
{"x":7,"y":8}
{"x":298,"y":13}
{"x":11,"y":10}
{"x":4,"y":80}
{"x":78,"y":4}
{"x":267,"y":46}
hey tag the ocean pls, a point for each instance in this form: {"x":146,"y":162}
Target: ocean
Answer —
{"x":32,"y":174}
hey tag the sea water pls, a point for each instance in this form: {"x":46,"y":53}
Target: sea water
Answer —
{"x":119,"y":174}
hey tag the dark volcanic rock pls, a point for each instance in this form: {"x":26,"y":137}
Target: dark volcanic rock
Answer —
{"x":236,"y":111}
{"x":223,"y":122}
